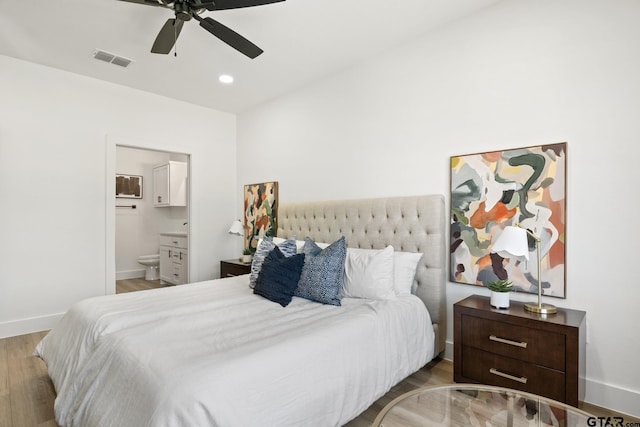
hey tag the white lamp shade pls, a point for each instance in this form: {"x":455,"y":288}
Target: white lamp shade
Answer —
{"x":512,"y":243}
{"x":236,"y":228}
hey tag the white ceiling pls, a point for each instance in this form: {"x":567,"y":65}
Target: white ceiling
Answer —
{"x":303,"y":41}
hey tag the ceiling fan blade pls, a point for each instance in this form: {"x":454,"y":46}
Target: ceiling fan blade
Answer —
{"x":235,"y":4}
{"x":229,"y":36}
{"x":167,"y":36}
{"x":146,"y":2}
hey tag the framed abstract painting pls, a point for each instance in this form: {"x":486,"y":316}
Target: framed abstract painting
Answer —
{"x":260,"y":213}
{"x":489,"y":191}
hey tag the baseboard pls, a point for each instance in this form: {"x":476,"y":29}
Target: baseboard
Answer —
{"x":30,"y":325}
{"x":130,"y":274}
{"x":616,"y":399}
{"x":448,"y":350}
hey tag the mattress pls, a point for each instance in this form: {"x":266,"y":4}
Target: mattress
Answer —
{"x":214,"y":354}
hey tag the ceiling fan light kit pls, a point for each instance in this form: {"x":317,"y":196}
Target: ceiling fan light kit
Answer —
{"x":185,"y":10}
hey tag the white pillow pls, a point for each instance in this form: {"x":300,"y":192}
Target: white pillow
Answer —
{"x":368,"y":273}
{"x":404,"y":271}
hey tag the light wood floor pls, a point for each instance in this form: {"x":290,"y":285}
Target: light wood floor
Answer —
{"x":27,"y":394}
{"x":132,"y":285}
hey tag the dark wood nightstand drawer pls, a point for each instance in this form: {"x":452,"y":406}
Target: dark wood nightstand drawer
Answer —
{"x":527,"y":344}
{"x":233,"y":267}
{"x":490,"y":368}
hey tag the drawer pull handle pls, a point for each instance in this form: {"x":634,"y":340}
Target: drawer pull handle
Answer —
{"x":522,"y":380}
{"x":504,"y":341}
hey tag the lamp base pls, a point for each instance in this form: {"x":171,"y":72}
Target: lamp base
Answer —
{"x":540,"y":308}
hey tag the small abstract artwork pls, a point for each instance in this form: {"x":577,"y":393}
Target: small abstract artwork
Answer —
{"x":260,"y":213}
{"x":489,"y":191}
{"x":129,"y":186}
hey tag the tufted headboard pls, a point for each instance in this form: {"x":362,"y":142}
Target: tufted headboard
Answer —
{"x":409,"y":224}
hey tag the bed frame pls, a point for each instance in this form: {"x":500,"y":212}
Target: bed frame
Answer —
{"x":409,"y":224}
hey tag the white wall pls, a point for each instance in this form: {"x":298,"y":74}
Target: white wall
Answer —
{"x":517,"y":74}
{"x":57,"y":154}
{"x":138,"y":230}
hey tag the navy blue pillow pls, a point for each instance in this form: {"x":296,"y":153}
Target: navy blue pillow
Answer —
{"x":288,"y":248}
{"x":278,"y":277}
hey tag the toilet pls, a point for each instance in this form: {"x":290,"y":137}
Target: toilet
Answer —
{"x":151,"y":262}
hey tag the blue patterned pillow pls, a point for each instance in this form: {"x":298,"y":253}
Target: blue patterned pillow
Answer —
{"x":288,"y":248}
{"x":322,"y":274}
{"x":279,"y":276}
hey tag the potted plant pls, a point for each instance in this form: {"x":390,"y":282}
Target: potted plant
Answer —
{"x":500,"y":293}
{"x":247,"y":256}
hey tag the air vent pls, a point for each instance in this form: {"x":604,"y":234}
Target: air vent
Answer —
{"x":111,"y":58}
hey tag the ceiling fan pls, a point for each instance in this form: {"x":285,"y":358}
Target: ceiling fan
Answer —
{"x":186,"y":9}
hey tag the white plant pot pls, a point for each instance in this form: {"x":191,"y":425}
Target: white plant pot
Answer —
{"x":246,"y":258}
{"x":500,"y":299}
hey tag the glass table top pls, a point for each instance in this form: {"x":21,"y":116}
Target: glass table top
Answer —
{"x":477,"y":405}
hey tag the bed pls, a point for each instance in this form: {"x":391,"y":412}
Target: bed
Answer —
{"x":215,"y":354}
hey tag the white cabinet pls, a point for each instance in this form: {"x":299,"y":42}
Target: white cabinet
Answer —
{"x":174,"y":259}
{"x":170,"y":184}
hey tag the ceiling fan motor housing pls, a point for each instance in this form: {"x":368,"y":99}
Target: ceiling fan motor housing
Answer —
{"x":183,"y":11}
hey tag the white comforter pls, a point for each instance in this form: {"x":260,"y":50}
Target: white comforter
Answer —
{"x":214,"y":354}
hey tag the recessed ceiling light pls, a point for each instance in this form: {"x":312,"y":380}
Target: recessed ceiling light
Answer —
{"x":226,"y":79}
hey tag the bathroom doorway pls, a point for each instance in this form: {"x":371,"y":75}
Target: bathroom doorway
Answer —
{"x":143,"y":219}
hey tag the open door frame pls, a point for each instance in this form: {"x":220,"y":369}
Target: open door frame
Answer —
{"x":110,"y":216}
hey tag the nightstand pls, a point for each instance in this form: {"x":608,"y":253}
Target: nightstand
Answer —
{"x":518,"y":349}
{"x":233,"y":267}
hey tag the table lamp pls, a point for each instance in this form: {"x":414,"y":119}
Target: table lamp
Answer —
{"x":236,"y":228}
{"x":512,"y":243}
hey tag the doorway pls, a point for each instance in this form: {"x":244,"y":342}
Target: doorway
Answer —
{"x":135,"y":224}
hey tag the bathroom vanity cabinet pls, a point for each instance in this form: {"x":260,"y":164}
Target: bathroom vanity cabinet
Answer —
{"x":174,"y":257}
{"x":170,"y":184}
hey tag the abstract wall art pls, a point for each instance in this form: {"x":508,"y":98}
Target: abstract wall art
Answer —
{"x":260,"y":213}
{"x":129,"y":186}
{"x":489,"y":191}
